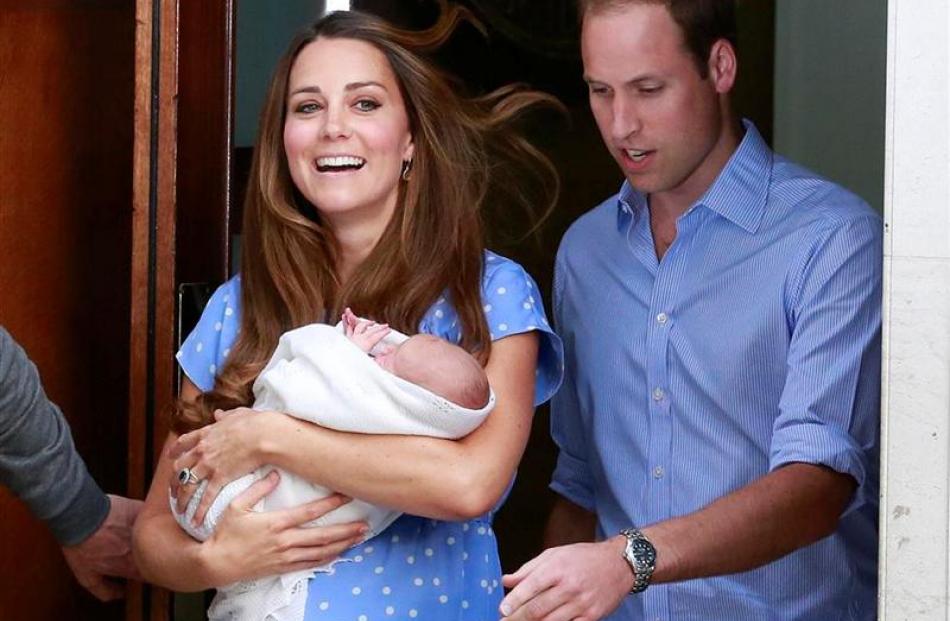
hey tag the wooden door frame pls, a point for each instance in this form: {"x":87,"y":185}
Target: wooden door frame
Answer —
{"x":181,"y":193}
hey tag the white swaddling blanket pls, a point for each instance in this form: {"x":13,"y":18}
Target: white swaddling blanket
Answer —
{"x":318,"y":375}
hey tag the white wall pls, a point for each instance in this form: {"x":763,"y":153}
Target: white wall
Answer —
{"x":829,"y":90}
{"x":915,"y":507}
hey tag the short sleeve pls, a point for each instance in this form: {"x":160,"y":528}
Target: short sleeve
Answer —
{"x":204,"y":350}
{"x":571,"y":478}
{"x":513,"y":305}
{"x":830,"y":406}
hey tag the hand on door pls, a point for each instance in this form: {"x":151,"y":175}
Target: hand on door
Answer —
{"x":107,"y":553}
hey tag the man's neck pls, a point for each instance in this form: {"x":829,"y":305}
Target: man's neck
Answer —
{"x":666,"y":207}
{"x":671,"y":204}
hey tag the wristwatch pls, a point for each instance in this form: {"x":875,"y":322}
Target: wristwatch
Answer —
{"x":641,"y":556}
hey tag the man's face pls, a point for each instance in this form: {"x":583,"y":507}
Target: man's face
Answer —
{"x":660,"y":120}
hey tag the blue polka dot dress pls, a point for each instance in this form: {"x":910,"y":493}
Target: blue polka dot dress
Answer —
{"x":417,"y":568}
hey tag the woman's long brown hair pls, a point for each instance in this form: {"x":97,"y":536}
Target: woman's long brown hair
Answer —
{"x":465,"y":150}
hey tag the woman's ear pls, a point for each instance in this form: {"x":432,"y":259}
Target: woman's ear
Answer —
{"x":723,"y":66}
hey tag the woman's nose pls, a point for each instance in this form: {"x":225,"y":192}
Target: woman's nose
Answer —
{"x":335,"y":124}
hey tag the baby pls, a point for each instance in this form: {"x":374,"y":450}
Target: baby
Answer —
{"x":358,"y":377}
{"x":425,"y":360}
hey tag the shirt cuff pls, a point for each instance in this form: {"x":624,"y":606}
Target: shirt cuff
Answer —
{"x":823,"y":445}
{"x":83,"y":516}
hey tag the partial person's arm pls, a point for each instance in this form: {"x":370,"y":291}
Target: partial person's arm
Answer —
{"x":39,"y":463}
{"x":246,"y":544}
{"x":442,"y":479}
{"x":787,"y":509}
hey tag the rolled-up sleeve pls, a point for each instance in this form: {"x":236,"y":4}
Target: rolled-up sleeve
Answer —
{"x":829,"y":412}
{"x":572,"y":478}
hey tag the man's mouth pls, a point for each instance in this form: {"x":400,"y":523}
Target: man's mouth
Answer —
{"x":637,"y":155}
{"x":339,"y":163}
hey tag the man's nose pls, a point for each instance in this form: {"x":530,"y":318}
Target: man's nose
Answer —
{"x":626,"y":119}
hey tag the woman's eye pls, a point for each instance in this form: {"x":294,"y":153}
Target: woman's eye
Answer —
{"x":366,"y":105}
{"x":307,"y":108}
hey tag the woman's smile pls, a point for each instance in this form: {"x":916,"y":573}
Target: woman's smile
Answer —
{"x":346,"y":132}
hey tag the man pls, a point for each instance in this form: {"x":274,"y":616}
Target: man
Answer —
{"x":721,"y":317}
{"x":40,"y":465}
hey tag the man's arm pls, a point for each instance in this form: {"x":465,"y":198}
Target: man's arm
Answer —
{"x":569,"y":523}
{"x":784,"y":510}
{"x":39,"y":463}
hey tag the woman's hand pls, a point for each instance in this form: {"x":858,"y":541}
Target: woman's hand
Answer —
{"x":249,"y":544}
{"x":219,"y":453}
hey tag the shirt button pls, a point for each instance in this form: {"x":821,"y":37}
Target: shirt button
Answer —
{"x":658,"y":472}
{"x":662,"y":318}
{"x":658,"y":394}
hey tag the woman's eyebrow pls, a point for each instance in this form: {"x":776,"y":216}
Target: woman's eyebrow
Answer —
{"x":352,"y":86}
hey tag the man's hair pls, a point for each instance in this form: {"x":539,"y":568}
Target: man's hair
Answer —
{"x":703,"y":22}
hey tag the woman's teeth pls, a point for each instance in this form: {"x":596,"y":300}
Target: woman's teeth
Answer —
{"x":339,"y":162}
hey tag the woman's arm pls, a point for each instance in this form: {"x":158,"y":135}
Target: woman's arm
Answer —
{"x":443,"y":479}
{"x":245,"y":544}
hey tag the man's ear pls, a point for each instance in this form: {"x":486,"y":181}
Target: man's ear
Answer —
{"x":723,"y":66}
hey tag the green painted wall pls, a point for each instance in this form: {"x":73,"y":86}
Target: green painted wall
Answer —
{"x":830,"y":76}
{"x":264,"y":28}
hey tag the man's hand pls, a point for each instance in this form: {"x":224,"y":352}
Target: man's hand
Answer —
{"x":577,"y":582}
{"x":107,"y":552}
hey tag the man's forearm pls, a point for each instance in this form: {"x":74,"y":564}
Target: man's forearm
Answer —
{"x":38,"y":461}
{"x":787,"y":509}
{"x":568,"y":523}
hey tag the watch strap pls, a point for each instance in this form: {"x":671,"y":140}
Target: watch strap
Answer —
{"x":640,"y":555}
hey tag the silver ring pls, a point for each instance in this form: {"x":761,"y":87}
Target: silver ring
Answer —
{"x":187,"y":477}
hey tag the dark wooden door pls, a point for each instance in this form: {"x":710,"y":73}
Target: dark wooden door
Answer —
{"x":114,"y":125}
{"x":181,"y":195}
{"x":66,"y":100}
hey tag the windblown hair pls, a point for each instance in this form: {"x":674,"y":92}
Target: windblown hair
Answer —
{"x":465,"y":150}
{"x":703,"y":22}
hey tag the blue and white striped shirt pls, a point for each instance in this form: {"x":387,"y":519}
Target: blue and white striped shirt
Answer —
{"x":753,"y":343}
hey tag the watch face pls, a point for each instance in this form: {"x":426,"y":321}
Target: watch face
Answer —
{"x":644,"y":555}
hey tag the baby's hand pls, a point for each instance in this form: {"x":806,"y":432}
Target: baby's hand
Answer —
{"x":349,"y":321}
{"x":364,"y":333}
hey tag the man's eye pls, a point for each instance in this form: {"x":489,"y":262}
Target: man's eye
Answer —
{"x":650,"y":90}
{"x":366,"y":105}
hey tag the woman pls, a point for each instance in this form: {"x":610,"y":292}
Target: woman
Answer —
{"x":365,"y":192}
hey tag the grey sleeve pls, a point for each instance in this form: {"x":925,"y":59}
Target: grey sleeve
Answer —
{"x":38,"y":461}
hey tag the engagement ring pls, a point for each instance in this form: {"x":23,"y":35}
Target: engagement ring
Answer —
{"x":187,"y":477}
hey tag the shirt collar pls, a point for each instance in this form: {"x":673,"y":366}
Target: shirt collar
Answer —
{"x":738,"y":194}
